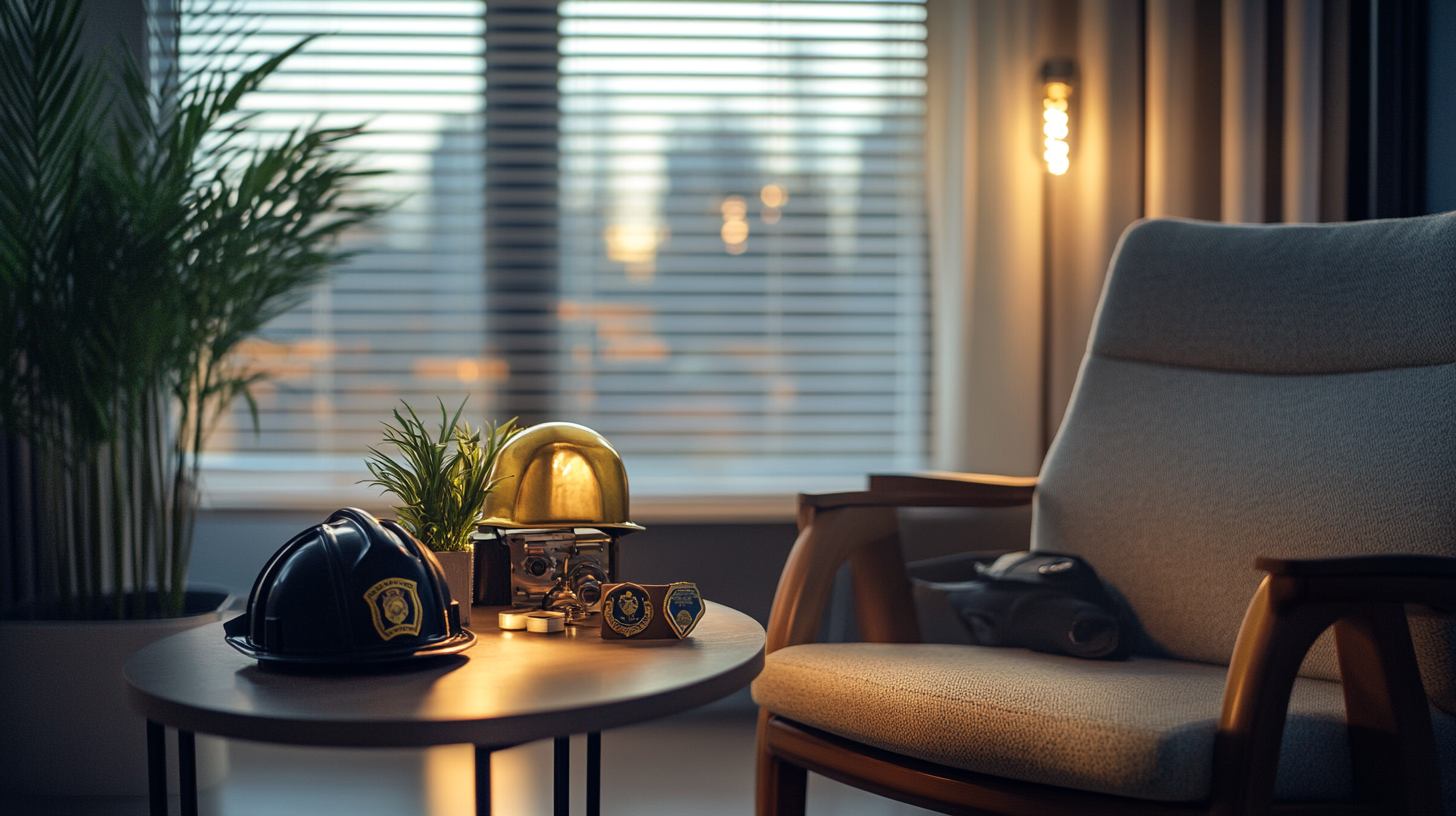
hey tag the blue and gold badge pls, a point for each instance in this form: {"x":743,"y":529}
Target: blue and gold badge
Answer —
{"x":626,"y":609}
{"x":395,"y":606}
{"x":684,"y":607}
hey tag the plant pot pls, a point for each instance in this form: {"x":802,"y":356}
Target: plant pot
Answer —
{"x":492,"y":571}
{"x":69,"y":728}
{"x":459,"y":570}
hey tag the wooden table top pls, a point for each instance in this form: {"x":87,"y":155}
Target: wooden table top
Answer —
{"x":509,"y":688}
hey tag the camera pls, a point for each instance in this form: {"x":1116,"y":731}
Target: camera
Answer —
{"x":561,"y":569}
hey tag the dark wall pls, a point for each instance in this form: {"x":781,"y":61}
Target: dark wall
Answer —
{"x":1440,"y":111}
{"x":733,"y":564}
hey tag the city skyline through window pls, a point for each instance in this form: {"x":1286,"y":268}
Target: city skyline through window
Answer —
{"x":741,"y":299}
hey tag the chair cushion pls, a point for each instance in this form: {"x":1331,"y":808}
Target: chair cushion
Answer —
{"x":1283,"y":299}
{"x":1142,"y":728}
{"x":1170,"y":481}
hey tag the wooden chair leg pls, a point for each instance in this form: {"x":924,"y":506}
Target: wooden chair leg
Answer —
{"x":781,"y":786}
{"x":1273,"y":640}
{"x":1392,"y":747}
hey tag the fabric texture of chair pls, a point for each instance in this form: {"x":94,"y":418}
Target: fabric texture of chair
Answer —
{"x":1281,"y":391}
{"x":1142,"y":728}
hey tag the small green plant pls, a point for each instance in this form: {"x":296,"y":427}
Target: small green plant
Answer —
{"x":442,"y":491}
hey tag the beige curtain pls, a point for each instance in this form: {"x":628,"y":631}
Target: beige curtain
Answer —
{"x":1100,"y":195}
{"x":1246,"y":124}
{"x":1212,"y":109}
{"x":985,"y":185}
{"x":1017,"y":255}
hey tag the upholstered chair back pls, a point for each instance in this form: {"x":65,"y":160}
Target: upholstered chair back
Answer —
{"x":1286,"y":391}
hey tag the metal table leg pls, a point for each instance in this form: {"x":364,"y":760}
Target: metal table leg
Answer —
{"x":561,"y":781}
{"x":482,"y":780}
{"x":594,"y":774}
{"x":187,"y":771}
{"x":157,"y":767}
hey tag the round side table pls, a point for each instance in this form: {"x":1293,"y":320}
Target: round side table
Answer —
{"x":510,"y":688}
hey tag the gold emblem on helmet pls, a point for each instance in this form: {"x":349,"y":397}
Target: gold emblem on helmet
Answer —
{"x":394,"y":604}
{"x":396,"y":608}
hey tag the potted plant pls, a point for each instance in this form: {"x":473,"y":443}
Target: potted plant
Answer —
{"x":441,"y":483}
{"x":143,"y":236}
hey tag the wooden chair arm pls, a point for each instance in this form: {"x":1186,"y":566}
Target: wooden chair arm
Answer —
{"x":1392,"y":745}
{"x":932,"y":489}
{"x":868,"y":537}
{"x":863,"y":528}
{"x":1365,"y":565}
{"x":1398,"y":579}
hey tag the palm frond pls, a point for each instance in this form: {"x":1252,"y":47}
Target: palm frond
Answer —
{"x":441,"y":491}
{"x":143,"y":236}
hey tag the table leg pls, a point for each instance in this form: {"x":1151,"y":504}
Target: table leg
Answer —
{"x":157,"y":767}
{"x":187,"y":771}
{"x":561,"y":789}
{"x":594,"y":774}
{"x":482,"y":780}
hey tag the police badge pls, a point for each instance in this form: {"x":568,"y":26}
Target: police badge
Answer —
{"x":626,"y":609}
{"x":683,"y":607}
{"x":395,"y":607}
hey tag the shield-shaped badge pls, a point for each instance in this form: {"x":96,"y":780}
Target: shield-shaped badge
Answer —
{"x":684,"y":607}
{"x":626,"y":609}
{"x":394,"y":605}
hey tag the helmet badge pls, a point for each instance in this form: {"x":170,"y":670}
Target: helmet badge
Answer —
{"x":394,"y":605}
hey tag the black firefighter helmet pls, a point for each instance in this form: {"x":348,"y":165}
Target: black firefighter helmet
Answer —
{"x":351,"y":590}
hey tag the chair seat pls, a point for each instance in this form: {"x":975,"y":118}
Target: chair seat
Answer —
{"x":1142,"y":728}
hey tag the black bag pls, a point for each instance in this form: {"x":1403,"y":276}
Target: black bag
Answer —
{"x":1043,"y":601}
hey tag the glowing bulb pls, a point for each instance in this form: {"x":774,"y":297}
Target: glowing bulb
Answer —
{"x":773,"y":196}
{"x":632,"y":243}
{"x":734,"y":208}
{"x":1057,"y":128}
{"x":735,"y":232}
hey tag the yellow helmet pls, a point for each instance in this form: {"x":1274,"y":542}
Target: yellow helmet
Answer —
{"x":558,"y":474}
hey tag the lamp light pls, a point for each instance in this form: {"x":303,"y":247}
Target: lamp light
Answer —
{"x":735,"y":228}
{"x":1056,"y":115}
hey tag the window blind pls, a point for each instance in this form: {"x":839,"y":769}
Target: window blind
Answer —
{"x":739,"y":284}
{"x":743,"y":302}
{"x":402,"y":319}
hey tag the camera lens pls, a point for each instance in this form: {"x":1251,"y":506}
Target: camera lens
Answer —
{"x":589,"y":591}
{"x":537,"y":566}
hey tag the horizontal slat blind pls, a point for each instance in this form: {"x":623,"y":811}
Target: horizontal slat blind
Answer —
{"x":743,"y":252}
{"x":403,"y":318}
{"x":741,"y":281}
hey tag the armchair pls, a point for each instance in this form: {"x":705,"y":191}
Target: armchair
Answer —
{"x":1254,"y":398}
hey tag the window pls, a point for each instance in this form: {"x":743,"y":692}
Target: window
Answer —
{"x":735,"y":282}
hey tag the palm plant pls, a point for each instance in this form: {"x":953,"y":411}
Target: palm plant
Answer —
{"x":442,"y":491}
{"x":142,"y":238}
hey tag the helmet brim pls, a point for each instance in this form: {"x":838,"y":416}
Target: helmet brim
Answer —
{"x":453,"y":644}
{"x":507,"y":524}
